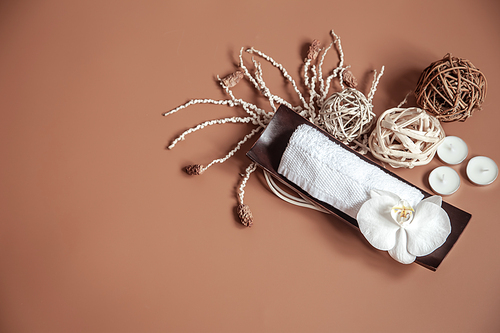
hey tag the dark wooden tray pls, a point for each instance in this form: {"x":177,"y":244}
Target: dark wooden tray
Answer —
{"x":269,"y":148}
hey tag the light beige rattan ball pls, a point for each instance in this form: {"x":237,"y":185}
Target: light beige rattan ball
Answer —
{"x":347,"y":115}
{"x":406,"y":137}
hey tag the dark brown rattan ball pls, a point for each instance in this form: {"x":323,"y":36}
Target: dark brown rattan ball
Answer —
{"x":451,"y":89}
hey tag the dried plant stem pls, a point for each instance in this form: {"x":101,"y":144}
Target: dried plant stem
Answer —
{"x":244,"y":213}
{"x":325,"y":85}
{"x":200,"y":101}
{"x":234,"y":150}
{"x":282,"y":70}
{"x":376,"y":79}
{"x":249,"y":170}
{"x":233,"y":120}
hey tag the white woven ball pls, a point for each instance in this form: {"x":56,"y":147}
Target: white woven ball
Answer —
{"x":347,"y":115}
{"x":406,"y":137}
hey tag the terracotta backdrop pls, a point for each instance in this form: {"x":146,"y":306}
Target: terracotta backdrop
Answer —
{"x":102,"y":231}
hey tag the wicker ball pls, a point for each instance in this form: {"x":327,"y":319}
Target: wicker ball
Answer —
{"x":406,"y":137}
{"x":347,"y":115}
{"x":451,"y":89}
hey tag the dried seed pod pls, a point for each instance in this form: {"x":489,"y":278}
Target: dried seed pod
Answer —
{"x":349,"y":79}
{"x":194,"y":170}
{"x":232,"y":79}
{"x":314,"y":49}
{"x":245,"y":215}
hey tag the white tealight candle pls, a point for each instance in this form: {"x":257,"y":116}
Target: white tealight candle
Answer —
{"x":452,"y":150}
{"x":482,"y":170}
{"x":444,"y":180}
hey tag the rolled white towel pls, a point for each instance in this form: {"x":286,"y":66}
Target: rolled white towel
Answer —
{"x":333,"y":174}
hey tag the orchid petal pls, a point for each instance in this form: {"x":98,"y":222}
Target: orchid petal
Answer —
{"x":376,"y":224}
{"x":435,"y":199}
{"x":429,"y":229}
{"x":400,"y":252}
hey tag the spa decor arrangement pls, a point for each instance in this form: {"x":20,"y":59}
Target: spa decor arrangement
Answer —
{"x":344,"y":192}
{"x":317,"y":149}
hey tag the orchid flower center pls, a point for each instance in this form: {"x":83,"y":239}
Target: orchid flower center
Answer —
{"x":402,"y":213}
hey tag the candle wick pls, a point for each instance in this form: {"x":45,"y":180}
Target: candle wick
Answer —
{"x":442,"y":179}
{"x":451,"y":147}
{"x":484,"y":169}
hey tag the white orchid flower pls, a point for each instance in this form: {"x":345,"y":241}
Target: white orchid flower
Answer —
{"x":391,"y":224}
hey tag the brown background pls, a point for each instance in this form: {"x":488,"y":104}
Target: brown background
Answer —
{"x":101,"y":231}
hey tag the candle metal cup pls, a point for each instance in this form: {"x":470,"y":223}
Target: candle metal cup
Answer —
{"x":482,"y":170}
{"x":452,"y":150}
{"x":444,"y":180}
